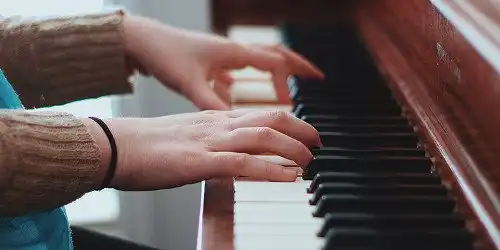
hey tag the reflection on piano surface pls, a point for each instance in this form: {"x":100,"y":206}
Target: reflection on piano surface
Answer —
{"x":407,"y":117}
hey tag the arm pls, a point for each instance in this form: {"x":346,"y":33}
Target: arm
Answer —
{"x":48,"y":159}
{"x":55,"y":61}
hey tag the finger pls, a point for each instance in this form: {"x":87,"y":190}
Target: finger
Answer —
{"x":222,"y":90}
{"x":241,"y":56}
{"x":225,"y":164}
{"x":205,"y":98}
{"x":222,"y":86}
{"x":283,"y":122}
{"x":280,"y":83}
{"x":299,"y":65}
{"x":278,"y":66}
{"x":235,"y":113}
{"x":265,"y":60}
{"x":225,"y":78}
{"x":259,"y":140}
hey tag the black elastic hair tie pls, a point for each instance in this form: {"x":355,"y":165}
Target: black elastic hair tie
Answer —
{"x":112,"y":164}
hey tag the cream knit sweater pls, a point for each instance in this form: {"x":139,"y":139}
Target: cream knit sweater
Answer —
{"x":48,"y":159}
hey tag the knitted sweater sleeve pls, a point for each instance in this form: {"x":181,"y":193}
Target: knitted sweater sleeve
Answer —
{"x":49,"y":159}
{"x":59,"y":60}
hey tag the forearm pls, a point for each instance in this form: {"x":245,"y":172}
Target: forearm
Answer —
{"x":55,"y":61}
{"x":47,"y":160}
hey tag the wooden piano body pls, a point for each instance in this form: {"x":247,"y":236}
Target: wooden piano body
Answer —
{"x":440,"y":58}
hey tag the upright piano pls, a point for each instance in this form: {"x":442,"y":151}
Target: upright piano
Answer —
{"x":408,"y":117}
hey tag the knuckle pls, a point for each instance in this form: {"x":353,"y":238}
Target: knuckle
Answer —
{"x":220,"y":159}
{"x":269,"y":170}
{"x":305,"y":155}
{"x":227,"y":126}
{"x":279,"y":46}
{"x":222,"y":163}
{"x":233,"y":163}
{"x":278,"y":116}
{"x":238,"y":133}
{"x":264,"y":134}
{"x":203,"y":120}
{"x":241,"y":160}
{"x":282,"y":59}
{"x":192,"y":159}
{"x":209,"y":112}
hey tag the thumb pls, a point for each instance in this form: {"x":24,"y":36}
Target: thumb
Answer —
{"x":205,"y":98}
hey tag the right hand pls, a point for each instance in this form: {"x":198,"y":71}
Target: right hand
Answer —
{"x":175,"y":150}
{"x":187,"y":61}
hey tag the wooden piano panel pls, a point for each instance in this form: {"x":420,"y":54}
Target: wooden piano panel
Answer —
{"x":452,"y":92}
{"x":217,"y":215}
{"x":226,"y":13}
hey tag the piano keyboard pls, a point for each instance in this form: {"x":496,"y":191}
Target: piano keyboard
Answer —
{"x":370,"y":187}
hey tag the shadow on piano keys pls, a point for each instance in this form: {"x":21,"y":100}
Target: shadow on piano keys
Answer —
{"x":407,"y":115}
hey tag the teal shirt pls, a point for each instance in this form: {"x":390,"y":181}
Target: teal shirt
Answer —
{"x":35,"y":231}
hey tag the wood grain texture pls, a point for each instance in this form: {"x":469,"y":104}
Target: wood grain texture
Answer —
{"x":445,"y":83}
{"x":217,"y":215}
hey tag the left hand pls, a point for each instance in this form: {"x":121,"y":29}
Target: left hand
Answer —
{"x":188,"y":61}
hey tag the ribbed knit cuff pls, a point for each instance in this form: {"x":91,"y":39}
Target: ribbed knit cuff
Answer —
{"x":50,"y":157}
{"x":55,"y":61}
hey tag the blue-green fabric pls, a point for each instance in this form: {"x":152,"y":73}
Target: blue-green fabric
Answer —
{"x":36,"y":231}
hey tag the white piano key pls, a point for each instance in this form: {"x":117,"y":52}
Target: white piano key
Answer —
{"x":275,"y":229}
{"x":271,"y":191}
{"x":274,"y":215}
{"x":291,"y":187}
{"x":272,"y":212}
{"x":306,"y":242}
{"x":257,"y":90}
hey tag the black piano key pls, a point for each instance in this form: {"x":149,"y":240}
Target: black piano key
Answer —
{"x":334,"y":139}
{"x":383,"y":204}
{"x":368,"y":152}
{"x":377,"y":189}
{"x":388,"y":221}
{"x":341,"y":98}
{"x":398,"y":239}
{"x":299,"y":96}
{"x":352,"y":110}
{"x":314,"y":86}
{"x":325,"y":99}
{"x":362,"y":128}
{"x":327,"y":86}
{"x":355,"y":119}
{"x":373,"y":179}
{"x":327,"y":163}
{"x":382,"y":209}
{"x":337,"y":94}
{"x":332,"y":103}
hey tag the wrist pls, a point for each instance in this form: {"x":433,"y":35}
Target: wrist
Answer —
{"x":132,"y":24}
{"x":104,"y":148}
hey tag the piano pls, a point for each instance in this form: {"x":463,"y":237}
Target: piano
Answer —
{"x":407,"y":115}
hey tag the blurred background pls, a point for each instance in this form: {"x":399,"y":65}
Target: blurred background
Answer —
{"x":164,"y":219}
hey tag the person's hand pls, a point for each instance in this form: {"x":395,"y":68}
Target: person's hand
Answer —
{"x":171,"y":151}
{"x":188,"y":61}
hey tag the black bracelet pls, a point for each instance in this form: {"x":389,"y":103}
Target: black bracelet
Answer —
{"x":112,"y":164}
